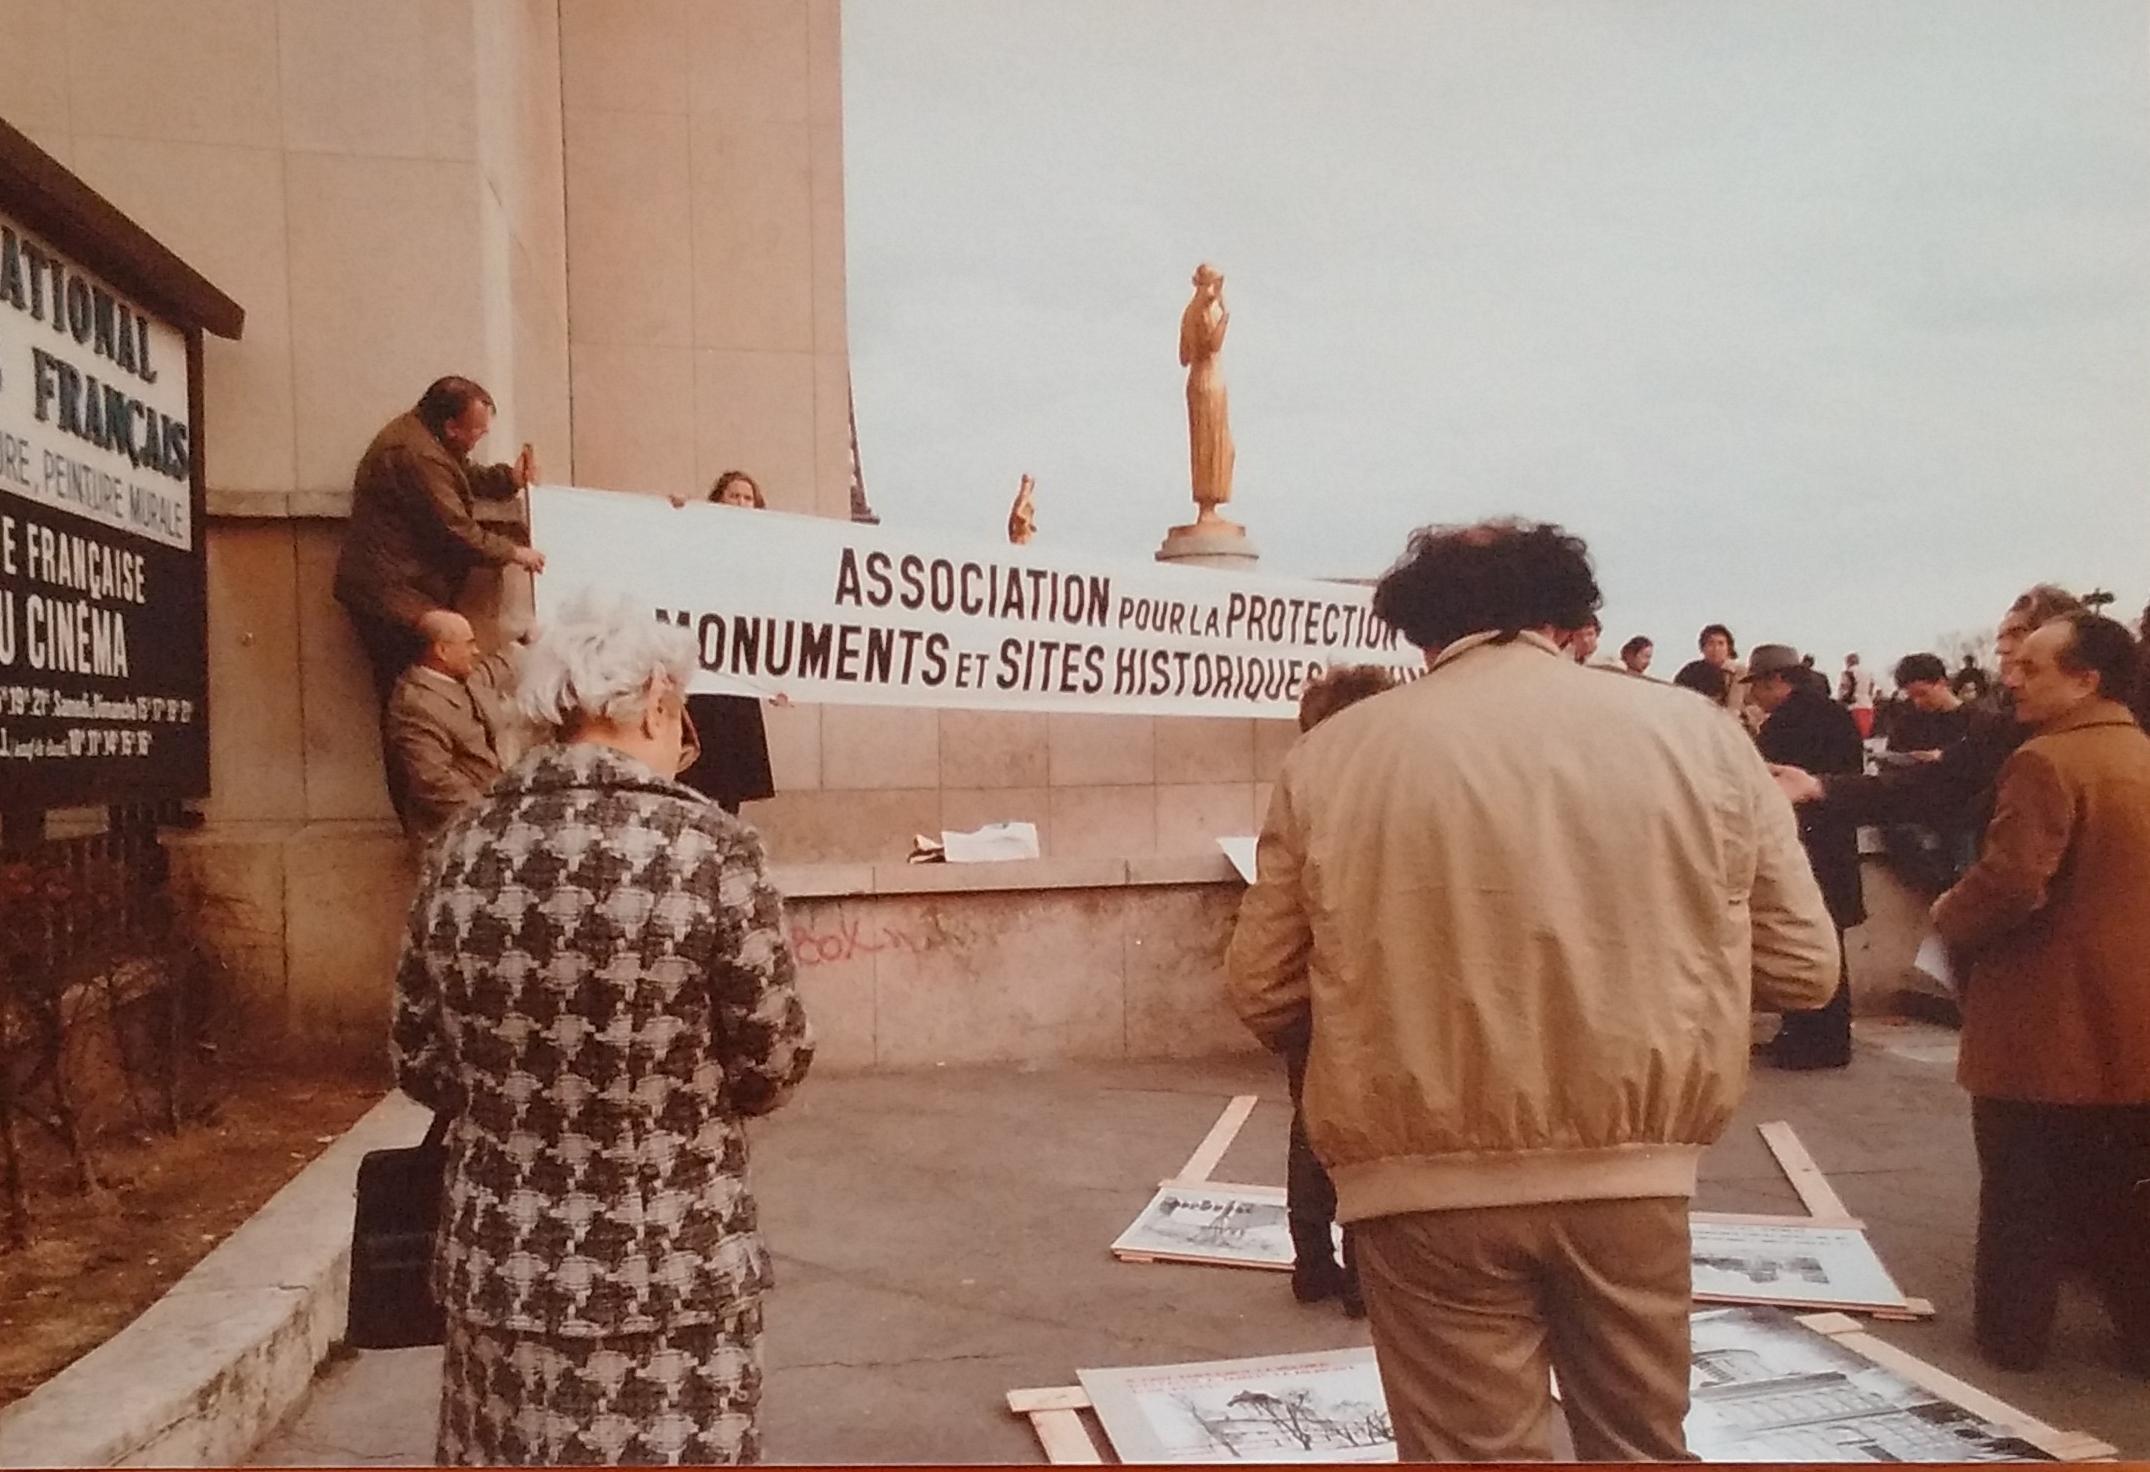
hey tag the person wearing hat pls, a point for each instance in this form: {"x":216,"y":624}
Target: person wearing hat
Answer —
{"x":1804,"y":728}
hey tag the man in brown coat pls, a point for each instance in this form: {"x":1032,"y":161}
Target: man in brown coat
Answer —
{"x":446,"y":731}
{"x":414,"y":531}
{"x":2051,"y":931}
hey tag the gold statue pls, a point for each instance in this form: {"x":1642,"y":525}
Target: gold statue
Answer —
{"x":1023,"y":515}
{"x":1209,"y":430}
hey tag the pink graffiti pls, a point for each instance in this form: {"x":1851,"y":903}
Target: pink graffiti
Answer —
{"x":848,"y":941}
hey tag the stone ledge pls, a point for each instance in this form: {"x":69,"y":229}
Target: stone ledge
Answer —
{"x":238,"y":505}
{"x":218,"y":1362}
{"x":837,"y":881}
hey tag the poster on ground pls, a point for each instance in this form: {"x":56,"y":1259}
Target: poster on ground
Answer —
{"x":1795,"y":1264}
{"x":820,"y":610}
{"x":1322,"y":1407}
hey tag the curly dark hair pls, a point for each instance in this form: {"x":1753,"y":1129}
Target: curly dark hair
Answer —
{"x":1499,"y":577}
{"x":1917,"y":669}
{"x":1339,"y":686}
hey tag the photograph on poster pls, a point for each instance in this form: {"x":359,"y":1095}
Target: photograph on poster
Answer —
{"x":1231,"y":1226}
{"x":1322,"y":1407}
{"x":1766,"y":1388}
{"x":1805,"y":1266}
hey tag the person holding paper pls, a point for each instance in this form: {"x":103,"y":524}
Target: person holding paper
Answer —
{"x":2050,"y":936}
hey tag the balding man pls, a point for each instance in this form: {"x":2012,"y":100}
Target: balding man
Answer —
{"x":446,"y":732}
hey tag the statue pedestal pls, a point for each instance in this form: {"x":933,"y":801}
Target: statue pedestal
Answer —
{"x":1214,"y":543}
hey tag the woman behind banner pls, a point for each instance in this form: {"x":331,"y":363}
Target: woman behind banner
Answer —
{"x":734,"y":765}
{"x":596,"y":988}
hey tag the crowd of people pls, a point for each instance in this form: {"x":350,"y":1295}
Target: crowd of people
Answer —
{"x":1509,"y":923}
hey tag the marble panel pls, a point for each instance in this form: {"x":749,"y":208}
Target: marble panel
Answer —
{"x":832,"y":435}
{"x":389,"y":78}
{"x":347,"y":890}
{"x":257,"y":759}
{"x":825,"y":62}
{"x":755,"y":412}
{"x":1090,"y":751}
{"x":633,"y":419}
{"x":1103,"y":822}
{"x":202,"y":72}
{"x":342,"y":721}
{"x":228,"y":879}
{"x":1272,"y":739}
{"x":835,"y":942}
{"x":377,"y":314}
{"x":37,"y":81}
{"x":1202,"y":749}
{"x":749,"y":59}
{"x":240,"y":246}
{"x":629,"y":229}
{"x":1192,"y":817}
{"x":993,"y":748}
{"x":1002,"y":978}
{"x":1176,"y":938}
{"x":879,"y":746}
{"x":966,"y":808}
{"x":825,"y":145}
{"x":539,"y":384}
{"x":753,"y":235}
{"x":627,"y":55}
{"x":845,"y":827}
{"x":794,"y":733}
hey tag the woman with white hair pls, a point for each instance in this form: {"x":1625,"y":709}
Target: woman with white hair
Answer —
{"x":596,"y":989}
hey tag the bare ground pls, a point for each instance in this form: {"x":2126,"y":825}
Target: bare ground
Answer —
{"x":95,"y":1263}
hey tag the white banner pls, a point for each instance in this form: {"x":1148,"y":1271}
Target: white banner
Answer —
{"x":832,"y":611}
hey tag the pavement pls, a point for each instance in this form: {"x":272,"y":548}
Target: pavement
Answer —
{"x":941,"y":1238}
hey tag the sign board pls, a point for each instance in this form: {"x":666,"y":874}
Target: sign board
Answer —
{"x":844,"y":613}
{"x":103,"y":628}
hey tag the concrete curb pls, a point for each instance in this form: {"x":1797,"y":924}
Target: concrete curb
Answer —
{"x":222,"y":1359}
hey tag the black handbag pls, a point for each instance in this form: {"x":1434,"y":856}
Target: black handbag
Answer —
{"x":399,"y":1195}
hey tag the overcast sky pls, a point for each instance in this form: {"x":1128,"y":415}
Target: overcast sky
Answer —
{"x":1829,"y":319}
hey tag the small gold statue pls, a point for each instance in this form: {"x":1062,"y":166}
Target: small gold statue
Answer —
{"x":1209,"y":431}
{"x":1023,"y":515}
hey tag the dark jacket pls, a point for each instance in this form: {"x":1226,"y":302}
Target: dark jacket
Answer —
{"x":2053,"y":924}
{"x":414,"y":532}
{"x":1952,"y":794}
{"x":595,"y":981}
{"x":1812,"y":732}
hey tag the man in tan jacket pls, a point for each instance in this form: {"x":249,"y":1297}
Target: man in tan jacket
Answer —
{"x":1529,"y":908}
{"x":414,"y":532}
{"x":2051,"y":930}
{"x":448,"y":733}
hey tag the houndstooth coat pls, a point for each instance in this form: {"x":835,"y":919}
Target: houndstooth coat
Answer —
{"x":595,"y":982}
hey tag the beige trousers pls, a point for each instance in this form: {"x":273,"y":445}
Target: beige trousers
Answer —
{"x":1471,"y":1309}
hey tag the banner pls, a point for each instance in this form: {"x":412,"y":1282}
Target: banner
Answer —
{"x":838,"y":612}
{"x":103,"y":624}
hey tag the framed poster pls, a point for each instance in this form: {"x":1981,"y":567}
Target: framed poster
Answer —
{"x":1767,"y":1388}
{"x":1323,"y":1407}
{"x":1792,"y":1263}
{"x":1204,"y":1222}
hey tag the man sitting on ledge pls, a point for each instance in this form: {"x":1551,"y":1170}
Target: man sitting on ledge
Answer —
{"x":445,"y":724}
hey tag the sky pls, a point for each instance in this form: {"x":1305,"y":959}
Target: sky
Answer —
{"x":1826,"y":319}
